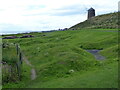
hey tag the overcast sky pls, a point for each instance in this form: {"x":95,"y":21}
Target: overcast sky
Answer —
{"x":39,"y":15}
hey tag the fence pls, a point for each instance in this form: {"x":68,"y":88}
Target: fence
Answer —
{"x":12,"y":67}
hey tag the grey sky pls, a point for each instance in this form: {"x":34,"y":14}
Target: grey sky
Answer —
{"x":39,"y":15}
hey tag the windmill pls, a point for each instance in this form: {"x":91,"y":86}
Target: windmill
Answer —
{"x":89,"y":11}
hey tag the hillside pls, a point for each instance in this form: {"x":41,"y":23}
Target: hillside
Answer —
{"x":60,"y":59}
{"x":106,"y":21}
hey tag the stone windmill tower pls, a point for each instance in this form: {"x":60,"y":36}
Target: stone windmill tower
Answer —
{"x":91,"y":13}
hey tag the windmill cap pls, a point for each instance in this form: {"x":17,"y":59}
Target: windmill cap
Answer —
{"x":91,"y":9}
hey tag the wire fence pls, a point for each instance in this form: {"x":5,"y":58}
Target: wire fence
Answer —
{"x":12,"y":63}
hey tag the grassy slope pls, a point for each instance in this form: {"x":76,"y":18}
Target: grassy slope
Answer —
{"x":103,"y":77}
{"x":54,"y":54}
{"x":102,"y":21}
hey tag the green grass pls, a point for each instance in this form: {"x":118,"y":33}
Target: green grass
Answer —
{"x":9,"y":54}
{"x":10,"y":57}
{"x":25,"y":78}
{"x":111,"y":52}
{"x":56,"y":53}
{"x":103,"y":77}
{"x":106,"y":21}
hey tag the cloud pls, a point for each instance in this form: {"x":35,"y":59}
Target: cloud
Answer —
{"x":49,"y":14}
{"x":4,"y":27}
{"x":67,"y":13}
{"x":69,"y":10}
{"x":119,"y":6}
{"x":35,"y":7}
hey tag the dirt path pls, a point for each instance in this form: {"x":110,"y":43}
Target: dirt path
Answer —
{"x":33,"y":72}
{"x":27,"y":62}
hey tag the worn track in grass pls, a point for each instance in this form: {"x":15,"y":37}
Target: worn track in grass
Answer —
{"x":33,"y":72}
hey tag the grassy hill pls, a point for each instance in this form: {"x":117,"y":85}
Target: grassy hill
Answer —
{"x":106,"y":21}
{"x":60,"y":58}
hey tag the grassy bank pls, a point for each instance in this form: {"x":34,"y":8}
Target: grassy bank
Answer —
{"x":104,"y":77}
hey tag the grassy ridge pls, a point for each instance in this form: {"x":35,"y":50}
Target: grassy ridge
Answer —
{"x":111,"y":52}
{"x":106,"y":21}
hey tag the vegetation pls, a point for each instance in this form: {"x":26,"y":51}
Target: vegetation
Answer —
{"x":11,"y":63}
{"x":88,"y":79}
{"x":9,"y":54}
{"x":61,"y":60}
{"x":61,"y":55}
{"x":106,"y":21}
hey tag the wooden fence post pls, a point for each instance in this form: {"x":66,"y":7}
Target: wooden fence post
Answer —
{"x":20,"y":57}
